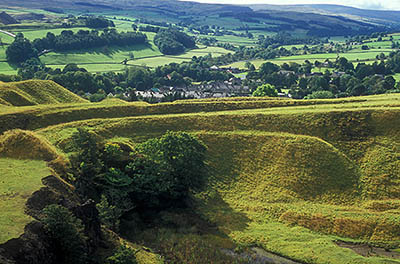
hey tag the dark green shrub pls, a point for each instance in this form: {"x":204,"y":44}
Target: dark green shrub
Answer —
{"x":67,"y":233}
{"x":123,"y":255}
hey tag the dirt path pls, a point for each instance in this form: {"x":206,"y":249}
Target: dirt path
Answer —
{"x":370,"y":251}
{"x":258,"y":255}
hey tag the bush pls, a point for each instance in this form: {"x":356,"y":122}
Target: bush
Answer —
{"x":265,"y":90}
{"x":67,"y":232}
{"x":109,"y":214}
{"x":97,"y":97}
{"x":123,"y":255}
{"x":320,"y":95}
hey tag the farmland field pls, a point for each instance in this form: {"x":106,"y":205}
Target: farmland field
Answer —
{"x":368,"y":56}
{"x":101,"y":60}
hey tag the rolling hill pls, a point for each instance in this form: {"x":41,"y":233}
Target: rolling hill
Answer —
{"x":297,"y":178}
{"x":383,"y":17}
{"x":35,"y":92}
{"x":319,"y":21}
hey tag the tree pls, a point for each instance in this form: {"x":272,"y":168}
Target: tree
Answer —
{"x":268,"y":68}
{"x":250,"y":66}
{"x":167,"y":168}
{"x":86,"y":162}
{"x":123,"y":255}
{"x":109,"y":214}
{"x":20,"y":50}
{"x":67,"y":233}
{"x":265,"y":90}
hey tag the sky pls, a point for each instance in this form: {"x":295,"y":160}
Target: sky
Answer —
{"x":366,"y":4}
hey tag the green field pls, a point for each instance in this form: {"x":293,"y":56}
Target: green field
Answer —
{"x":32,"y":34}
{"x":16,"y":187}
{"x":354,"y":56}
{"x":5,"y":68}
{"x":102,"y":60}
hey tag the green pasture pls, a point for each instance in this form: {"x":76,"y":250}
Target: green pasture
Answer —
{"x":234,"y":40}
{"x":2,"y":53}
{"x":364,"y":56}
{"x":32,"y":34}
{"x":338,"y":39}
{"x":6,"y":68}
{"x":110,"y":59}
{"x":19,"y":179}
{"x":21,"y":10}
{"x":5,"y":39}
{"x":99,"y":55}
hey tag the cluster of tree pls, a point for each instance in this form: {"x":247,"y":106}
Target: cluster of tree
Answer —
{"x":84,"y":39}
{"x":347,"y":80}
{"x":207,"y":41}
{"x":20,"y":50}
{"x":152,"y":22}
{"x":171,"y":41}
{"x":158,"y":174}
{"x":69,"y":241}
{"x":79,"y":81}
{"x":172,"y":75}
{"x":342,"y":86}
{"x":148,"y":28}
{"x":98,"y":22}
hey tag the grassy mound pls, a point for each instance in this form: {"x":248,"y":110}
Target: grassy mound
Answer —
{"x":21,"y":144}
{"x":35,"y":92}
{"x":267,"y":164}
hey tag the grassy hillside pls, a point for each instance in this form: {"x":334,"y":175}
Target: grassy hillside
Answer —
{"x":291,"y":177}
{"x":23,"y":166}
{"x":16,"y":187}
{"x":36,"y":92}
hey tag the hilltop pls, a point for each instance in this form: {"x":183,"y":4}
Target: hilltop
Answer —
{"x":35,"y":92}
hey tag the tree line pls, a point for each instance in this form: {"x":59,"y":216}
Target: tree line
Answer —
{"x":85,"y":39}
{"x":23,"y":49}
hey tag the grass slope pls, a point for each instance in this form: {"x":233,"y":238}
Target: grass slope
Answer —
{"x":16,"y":187}
{"x":36,"y":92}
